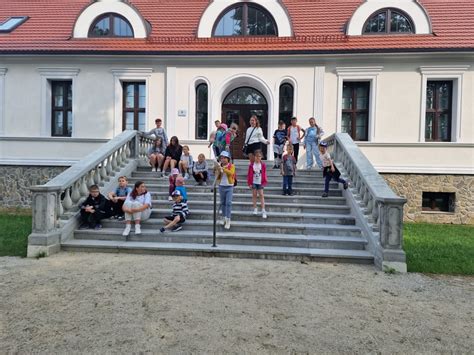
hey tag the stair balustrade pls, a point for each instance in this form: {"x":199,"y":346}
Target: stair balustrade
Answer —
{"x":378,"y":208}
{"x":56,"y":203}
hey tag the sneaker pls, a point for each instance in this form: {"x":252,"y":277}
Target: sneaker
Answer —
{"x":255,"y":211}
{"x":153,"y":169}
{"x":177,"y":228}
{"x":121,"y":218}
{"x":127,"y":229}
{"x":138,"y":229}
{"x":98,"y":226}
{"x":170,"y":198}
{"x":84,"y":226}
{"x":346,"y":185}
{"x":227,"y":223}
{"x":291,"y":193}
{"x":186,"y":176}
{"x":162,"y":229}
{"x":204,"y":183}
{"x":284,"y":193}
{"x":264,"y":214}
{"x":325,"y":194}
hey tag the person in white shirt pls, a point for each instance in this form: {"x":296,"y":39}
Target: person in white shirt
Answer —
{"x":254,"y":138}
{"x":136,"y":206}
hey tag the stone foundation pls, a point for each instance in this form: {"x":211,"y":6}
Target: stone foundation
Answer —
{"x":412,"y":186}
{"x":15,"y":182}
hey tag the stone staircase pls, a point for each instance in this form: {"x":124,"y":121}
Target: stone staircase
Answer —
{"x":300,"y":227}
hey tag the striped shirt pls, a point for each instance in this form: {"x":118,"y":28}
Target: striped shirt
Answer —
{"x":180,"y":209}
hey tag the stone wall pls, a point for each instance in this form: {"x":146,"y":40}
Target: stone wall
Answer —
{"x":412,"y":186}
{"x":15,"y":182}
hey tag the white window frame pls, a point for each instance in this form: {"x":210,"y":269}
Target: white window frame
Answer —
{"x":192,"y":108}
{"x":368,"y":74}
{"x":122,"y":75}
{"x":52,"y":74}
{"x":3,"y":72}
{"x":444,"y":73}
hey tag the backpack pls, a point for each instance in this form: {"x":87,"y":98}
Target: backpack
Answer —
{"x":220,"y":138}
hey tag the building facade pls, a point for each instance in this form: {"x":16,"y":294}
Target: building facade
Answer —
{"x":397,"y":75}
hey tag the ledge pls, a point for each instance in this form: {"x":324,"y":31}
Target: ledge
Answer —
{"x":55,"y":139}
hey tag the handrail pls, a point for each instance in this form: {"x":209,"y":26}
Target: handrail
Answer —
{"x":214,"y":222}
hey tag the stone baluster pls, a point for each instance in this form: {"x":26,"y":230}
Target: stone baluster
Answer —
{"x":67,"y":201}
{"x":124,"y":154}
{"x":76,"y":194}
{"x":114,"y":162}
{"x":84,"y":190}
{"x":97,"y":175}
{"x":119,"y":158}
{"x":103,"y":171}
{"x":90,"y":179}
{"x":108,"y":167}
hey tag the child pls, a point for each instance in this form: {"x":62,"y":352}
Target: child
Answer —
{"x":159,"y":132}
{"x":257,"y":179}
{"x":279,"y":139}
{"x":186,"y":162}
{"x":219,"y":143}
{"x":288,"y":170}
{"x":172,"y":180}
{"x":200,"y":170}
{"x":330,"y":172}
{"x":118,"y":197}
{"x":136,"y":206}
{"x":156,"y":154}
{"x":178,"y":217}
{"x":311,"y":142}
{"x":225,"y":174}
{"x":93,"y":209}
{"x":173,"y":154}
{"x":181,"y":188}
{"x":212,"y":137}
{"x":294,"y":136}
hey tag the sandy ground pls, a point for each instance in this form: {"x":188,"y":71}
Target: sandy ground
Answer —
{"x":101,"y":303}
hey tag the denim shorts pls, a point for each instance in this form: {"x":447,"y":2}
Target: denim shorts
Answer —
{"x":257,"y":186}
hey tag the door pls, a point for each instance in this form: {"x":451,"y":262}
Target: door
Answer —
{"x":238,"y":107}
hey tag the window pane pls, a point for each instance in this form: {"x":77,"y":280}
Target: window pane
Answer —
{"x":259,"y":23}
{"x":231,"y":23}
{"x":141,"y":121}
{"x":129,"y":95}
{"x":69,"y":123}
{"x":429,"y":125}
{"x":430,"y":88}
{"x":58,"y":128}
{"x":347,"y":98}
{"x":362,"y":123}
{"x":122,"y":28}
{"x":245,"y":96}
{"x":346,"y":123}
{"x":286,"y":98}
{"x":69,"y":95}
{"x":443,"y":127}
{"x":102,"y":28}
{"x":377,"y":23}
{"x":142,"y":96}
{"x":201,"y":111}
{"x":58,"y":95}
{"x":362,"y":94}
{"x":129,"y":120}
{"x":444,"y":92}
{"x":399,"y":23}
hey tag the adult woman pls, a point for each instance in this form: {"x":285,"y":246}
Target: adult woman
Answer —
{"x":136,"y":206}
{"x":156,"y":154}
{"x":172,"y":154}
{"x":254,"y":138}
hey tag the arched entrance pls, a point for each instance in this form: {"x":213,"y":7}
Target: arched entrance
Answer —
{"x":238,"y":106}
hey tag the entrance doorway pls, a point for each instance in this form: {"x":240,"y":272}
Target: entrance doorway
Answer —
{"x":238,"y":106}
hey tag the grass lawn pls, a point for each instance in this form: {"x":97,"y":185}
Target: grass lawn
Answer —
{"x":439,"y":248}
{"x":15,"y":227}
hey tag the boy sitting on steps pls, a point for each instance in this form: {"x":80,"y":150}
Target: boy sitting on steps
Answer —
{"x":178,"y":217}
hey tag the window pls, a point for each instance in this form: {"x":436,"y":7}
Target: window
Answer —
{"x":438,"y":111}
{"x":355,"y":110}
{"x":245,"y":20}
{"x":286,"y":103}
{"x":201,"y":111}
{"x":61,"y":108}
{"x":13,"y":22}
{"x":438,"y":201}
{"x":388,"y":21}
{"x":134,"y":103}
{"x":111,"y":25}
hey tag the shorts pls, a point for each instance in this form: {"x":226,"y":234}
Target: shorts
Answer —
{"x":171,"y":218}
{"x":278,"y":149}
{"x":252,"y":148}
{"x":257,"y":186}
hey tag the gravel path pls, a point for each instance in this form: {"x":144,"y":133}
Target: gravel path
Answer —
{"x":101,"y":303}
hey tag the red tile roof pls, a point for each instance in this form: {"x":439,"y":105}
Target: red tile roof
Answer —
{"x":318,"y":27}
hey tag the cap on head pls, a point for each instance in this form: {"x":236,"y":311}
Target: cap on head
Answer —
{"x":323,"y":144}
{"x":174,"y":171}
{"x":225,"y":154}
{"x":176,"y":193}
{"x":223,"y":126}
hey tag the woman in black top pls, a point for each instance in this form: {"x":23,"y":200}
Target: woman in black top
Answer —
{"x":172,"y":154}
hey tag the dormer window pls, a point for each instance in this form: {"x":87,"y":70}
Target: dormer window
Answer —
{"x":245,"y":20}
{"x":13,"y":22}
{"x":111,"y":25}
{"x":389,"y":21}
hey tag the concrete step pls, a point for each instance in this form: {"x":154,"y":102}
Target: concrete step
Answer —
{"x":222,"y":250}
{"x":239,"y":169}
{"x":302,"y":200}
{"x":228,"y":237}
{"x":256,"y":227}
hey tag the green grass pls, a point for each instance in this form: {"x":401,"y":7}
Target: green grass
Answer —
{"x":15,"y":228}
{"x":439,"y":248}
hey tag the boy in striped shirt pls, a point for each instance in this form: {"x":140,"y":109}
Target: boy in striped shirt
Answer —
{"x":178,"y":217}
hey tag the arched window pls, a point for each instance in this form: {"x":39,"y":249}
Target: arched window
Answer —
{"x":111,"y":25}
{"x":286,"y":103}
{"x":389,"y":21}
{"x":201,"y":111}
{"x":245,"y":20}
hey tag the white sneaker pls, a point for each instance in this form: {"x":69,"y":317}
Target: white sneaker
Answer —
{"x":170,"y":198}
{"x":255,"y":211}
{"x":153,"y":169}
{"x":264,"y":214}
{"x":127,"y":229}
{"x":138,"y":229}
{"x":227,"y":223}
{"x":186,"y":176}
